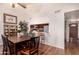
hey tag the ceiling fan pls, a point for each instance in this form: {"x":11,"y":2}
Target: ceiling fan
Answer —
{"x":20,"y":4}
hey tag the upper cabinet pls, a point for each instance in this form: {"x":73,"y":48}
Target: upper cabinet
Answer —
{"x":40,"y":27}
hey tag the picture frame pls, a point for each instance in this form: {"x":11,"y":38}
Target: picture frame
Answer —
{"x":10,"y":19}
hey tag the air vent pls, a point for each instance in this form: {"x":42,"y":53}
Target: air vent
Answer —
{"x":57,"y":11}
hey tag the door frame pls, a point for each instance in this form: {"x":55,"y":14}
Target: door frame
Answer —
{"x":64,"y":32}
{"x":65,"y":39}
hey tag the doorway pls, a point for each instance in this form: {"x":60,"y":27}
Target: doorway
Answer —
{"x":73,"y":32}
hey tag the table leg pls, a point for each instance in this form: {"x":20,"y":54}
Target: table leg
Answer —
{"x":15,"y":50}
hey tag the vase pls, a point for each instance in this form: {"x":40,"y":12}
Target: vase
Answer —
{"x":21,"y":34}
{"x":18,"y":34}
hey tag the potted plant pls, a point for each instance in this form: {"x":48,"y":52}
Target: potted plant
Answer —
{"x":23,"y":27}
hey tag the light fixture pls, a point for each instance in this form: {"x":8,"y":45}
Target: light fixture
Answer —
{"x":13,"y":5}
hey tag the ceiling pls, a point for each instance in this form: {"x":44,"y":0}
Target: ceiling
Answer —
{"x":72,"y":15}
{"x":23,"y":5}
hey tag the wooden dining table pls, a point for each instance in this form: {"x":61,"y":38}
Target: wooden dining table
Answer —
{"x":15,"y":40}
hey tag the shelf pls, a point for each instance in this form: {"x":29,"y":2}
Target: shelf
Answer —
{"x":10,"y":29}
{"x":39,"y":27}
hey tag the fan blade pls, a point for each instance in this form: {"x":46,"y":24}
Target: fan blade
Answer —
{"x":21,"y":5}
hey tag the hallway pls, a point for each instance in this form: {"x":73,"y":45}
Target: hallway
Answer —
{"x":72,"y":48}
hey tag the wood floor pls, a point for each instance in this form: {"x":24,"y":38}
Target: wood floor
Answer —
{"x":71,"y":49}
{"x":49,"y":50}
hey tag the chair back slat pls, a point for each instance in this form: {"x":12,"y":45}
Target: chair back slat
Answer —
{"x":7,"y":46}
{"x":34,"y":43}
{"x":10,"y":46}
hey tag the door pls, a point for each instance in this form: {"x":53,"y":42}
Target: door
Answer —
{"x":73,"y":31}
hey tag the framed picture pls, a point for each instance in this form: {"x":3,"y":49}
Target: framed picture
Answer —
{"x":10,"y":18}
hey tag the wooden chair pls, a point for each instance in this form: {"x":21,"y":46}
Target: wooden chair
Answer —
{"x":7,"y":46}
{"x":10,"y":46}
{"x":33,"y":47}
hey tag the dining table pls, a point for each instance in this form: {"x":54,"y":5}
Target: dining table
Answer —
{"x":15,"y":40}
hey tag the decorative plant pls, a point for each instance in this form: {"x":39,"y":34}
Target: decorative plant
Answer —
{"x":23,"y":27}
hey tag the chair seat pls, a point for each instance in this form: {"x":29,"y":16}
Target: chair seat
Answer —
{"x":26,"y":51}
{"x":32,"y":48}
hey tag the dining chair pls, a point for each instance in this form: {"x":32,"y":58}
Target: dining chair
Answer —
{"x":10,"y":46}
{"x":5,"y":45}
{"x":33,"y":47}
{"x":11,"y":49}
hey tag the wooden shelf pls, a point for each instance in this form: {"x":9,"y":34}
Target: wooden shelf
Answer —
{"x":10,"y":29}
{"x":39,"y":27}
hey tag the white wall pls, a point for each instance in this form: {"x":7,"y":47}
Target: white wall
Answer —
{"x":44,"y":13}
{"x":54,"y":15}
